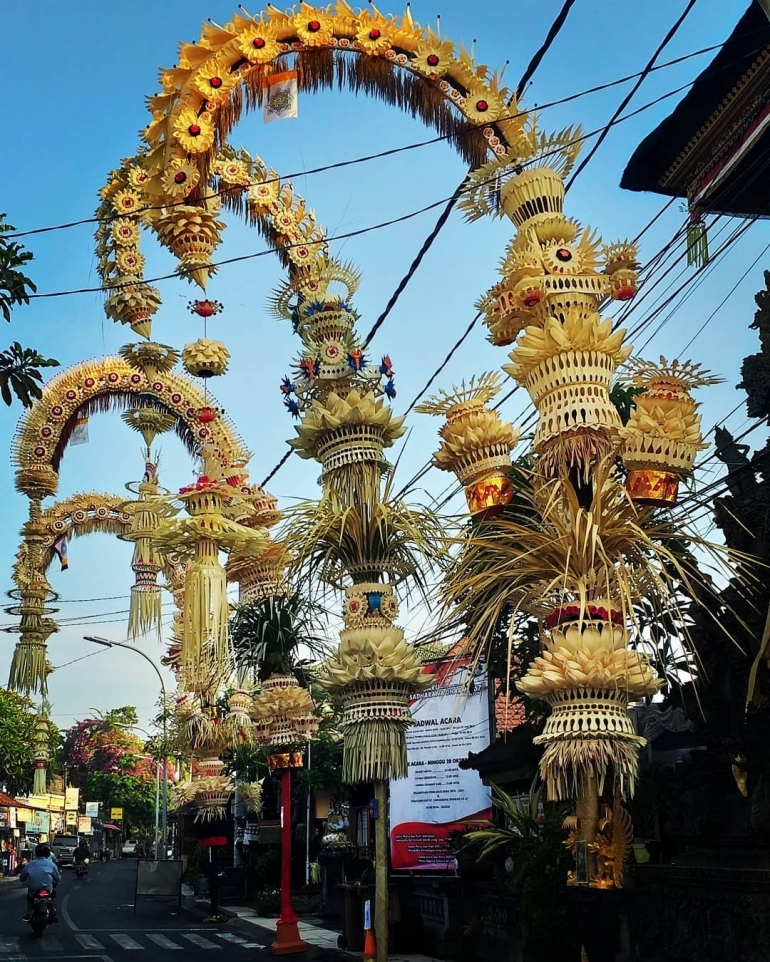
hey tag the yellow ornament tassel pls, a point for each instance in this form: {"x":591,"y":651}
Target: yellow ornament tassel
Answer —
{"x":206,"y":611}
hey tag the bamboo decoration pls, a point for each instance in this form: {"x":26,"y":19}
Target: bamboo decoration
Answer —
{"x":663,"y":434}
{"x":476,"y":445}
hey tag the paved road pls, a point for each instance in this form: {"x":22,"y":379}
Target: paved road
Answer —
{"x":97,"y":921}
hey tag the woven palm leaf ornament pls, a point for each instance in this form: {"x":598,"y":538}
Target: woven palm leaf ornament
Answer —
{"x":32,"y":599}
{"x":345,"y":422}
{"x":476,"y":444}
{"x":199,"y":538}
{"x":40,"y":741}
{"x":663,"y":435}
{"x":145,"y":609}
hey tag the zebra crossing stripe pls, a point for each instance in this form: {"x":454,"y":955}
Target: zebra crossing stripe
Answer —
{"x":125,"y":941}
{"x":232,"y":937}
{"x":9,"y":945}
{"x":88,"y":941}
{"x":163,"y":942}
{"x":201,"y":942}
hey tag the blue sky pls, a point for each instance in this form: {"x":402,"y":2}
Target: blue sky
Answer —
{"x":76,"y":78}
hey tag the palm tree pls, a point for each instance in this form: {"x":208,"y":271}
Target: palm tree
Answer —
{"x":268,"y":635}
{"x":19,"y":366}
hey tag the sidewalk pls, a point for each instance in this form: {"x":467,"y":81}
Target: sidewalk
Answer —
{"x":311,"y":930}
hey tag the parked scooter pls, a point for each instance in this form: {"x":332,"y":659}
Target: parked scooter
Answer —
{"x":42,"y":912}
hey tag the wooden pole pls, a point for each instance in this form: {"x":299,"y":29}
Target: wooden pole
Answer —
{"x":381,"y":871}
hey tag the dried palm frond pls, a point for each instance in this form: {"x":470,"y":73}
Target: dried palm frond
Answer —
{"x":387,"y":541}
{"x":549,"y":551}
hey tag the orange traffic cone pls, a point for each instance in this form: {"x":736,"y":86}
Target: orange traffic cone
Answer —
{"x":370,"y":943}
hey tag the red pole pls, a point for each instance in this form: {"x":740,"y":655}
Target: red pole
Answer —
{"x":287,"y":940}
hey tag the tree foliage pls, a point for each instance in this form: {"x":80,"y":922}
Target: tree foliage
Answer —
{"x":17,"y":763}
{"x":104,"y":745}
{"x":19,"y":366}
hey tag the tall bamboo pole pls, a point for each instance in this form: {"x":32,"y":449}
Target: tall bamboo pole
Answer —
{"x":381,"y":871}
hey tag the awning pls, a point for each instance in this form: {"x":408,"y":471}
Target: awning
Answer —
{"x":113,"y":828}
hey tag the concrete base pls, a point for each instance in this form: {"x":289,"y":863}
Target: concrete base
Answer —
{"x":287,"y":940}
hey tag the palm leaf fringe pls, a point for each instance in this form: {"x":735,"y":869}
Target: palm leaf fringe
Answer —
{"x":28,"y":667}
{"x":375,"y":750}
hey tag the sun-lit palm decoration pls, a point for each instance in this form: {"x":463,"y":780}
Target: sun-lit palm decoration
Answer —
{"x":575,"y":549}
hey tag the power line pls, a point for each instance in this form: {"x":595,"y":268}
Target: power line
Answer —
{"x":629,"y":96}
{"x":368,"y":157}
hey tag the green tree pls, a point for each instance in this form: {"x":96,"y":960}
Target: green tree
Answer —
{"x":19,"y":366}
{"x":136,"y":796}
{"x":17,"y":763}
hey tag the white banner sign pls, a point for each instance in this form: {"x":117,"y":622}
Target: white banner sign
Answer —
{"x":437,"y":797}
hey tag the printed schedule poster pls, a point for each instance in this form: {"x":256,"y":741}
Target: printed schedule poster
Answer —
{"x":438,"y":798}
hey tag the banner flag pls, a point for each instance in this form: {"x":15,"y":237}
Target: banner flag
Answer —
{"x":280,"y":100}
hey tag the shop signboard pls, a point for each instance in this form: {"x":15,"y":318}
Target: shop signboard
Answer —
{"x":7,"y":817}
{"x":116,"y":814}
{"x":71,"y":818}
{"x":437,"y":798}
{"x":84,"y":825}
{"x":92,"y":809}
{"x":40,"y":822}
{"x":71,"y":798}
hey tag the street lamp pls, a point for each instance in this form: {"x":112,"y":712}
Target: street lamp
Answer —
{"x":121,"y":644}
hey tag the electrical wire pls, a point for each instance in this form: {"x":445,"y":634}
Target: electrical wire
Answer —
{"x":371,"y":157}
{"x":629,"y":96}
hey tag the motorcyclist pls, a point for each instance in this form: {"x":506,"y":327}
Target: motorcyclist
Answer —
{"x":81,"y":852}
{"x":41,"y":873}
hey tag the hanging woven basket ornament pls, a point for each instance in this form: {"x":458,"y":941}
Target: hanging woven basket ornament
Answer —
{"x":205,"y":358}
{"x":476,"y":444}
{"x":663,"y":435}
{"x":284,"y":712}
{"x":588,"y":674}
{"x":133,"y":302}
{"x":192,"y":234}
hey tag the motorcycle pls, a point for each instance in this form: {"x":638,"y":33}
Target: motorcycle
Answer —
{"x":42,"y":912}
{"x":81,"y":869}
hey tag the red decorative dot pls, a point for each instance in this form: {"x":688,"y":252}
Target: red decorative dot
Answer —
{"x":57,"y":411}
{"x":314,"y":26}
{"x":46,"y":432}
{"x":532,"y":301}
{"x":215,"y":82}
{"x":194,"y":130}
{"x":89,"y":382}
{"x":39,"y":452}
{"x":258,"y":43}
{"x":482,"y":106}
{"x":135,"y":379}
{"x":433,"y":60}
{"x":112,"y":377}
{"x":180,"y":177}
{"x":157,"y":386}
{"x":375,"y":34}
{"x":625,"y":293}
{"x":176,"y":398}
{"x":71,"y":395}
{"x":203,"y":433}
{"x":564,"y":254}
